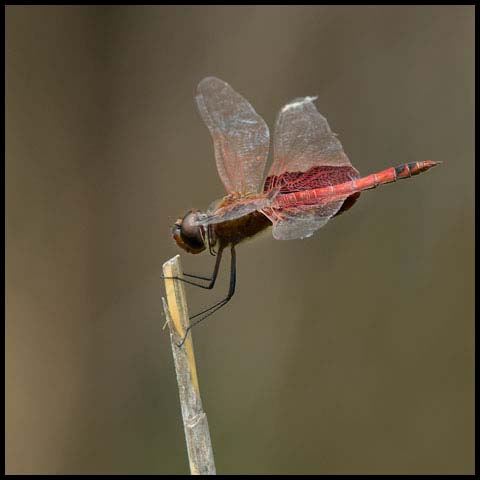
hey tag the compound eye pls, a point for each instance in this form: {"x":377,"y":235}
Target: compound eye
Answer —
{"x":190,"y":230}
{"x":189,"y":236}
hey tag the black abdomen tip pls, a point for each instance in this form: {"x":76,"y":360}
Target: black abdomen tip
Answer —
{"x":402,"y":170}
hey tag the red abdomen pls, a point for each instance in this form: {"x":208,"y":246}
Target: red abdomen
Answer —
{"x":334,"y":191}
{"x":317,"y":177}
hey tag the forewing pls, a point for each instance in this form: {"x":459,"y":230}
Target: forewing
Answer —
{"x":305,"y":149}
{"x":240,"y":136}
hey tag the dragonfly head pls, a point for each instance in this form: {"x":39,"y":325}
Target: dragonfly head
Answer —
{"x":189,"y":236}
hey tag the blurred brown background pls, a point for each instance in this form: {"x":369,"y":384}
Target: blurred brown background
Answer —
{"x":349,"y":352}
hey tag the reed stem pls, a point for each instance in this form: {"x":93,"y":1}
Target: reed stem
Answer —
{"x":195,"y":424}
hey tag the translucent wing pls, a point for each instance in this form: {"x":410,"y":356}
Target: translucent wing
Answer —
{"x":302,"y":221}
{"x":303,"y":144}
{"x":228,"y":209}
{"x":240,"y":136}
{"x":307,"y":155}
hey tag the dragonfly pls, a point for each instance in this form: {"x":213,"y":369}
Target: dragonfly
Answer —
{"x":310,"y":181}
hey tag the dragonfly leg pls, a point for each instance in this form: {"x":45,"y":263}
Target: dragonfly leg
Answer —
{"x":210,"y":310}
{"x":211,"y":280}
{"x":199,"y":277}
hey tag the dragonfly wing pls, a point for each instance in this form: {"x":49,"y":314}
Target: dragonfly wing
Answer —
{"x":302,"y":222}
{"x":231,"y":211}
{"x":240,"y":136}
{"x":307,"y":154}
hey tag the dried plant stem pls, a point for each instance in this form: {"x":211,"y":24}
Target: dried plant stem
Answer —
{"x":197,"y":434}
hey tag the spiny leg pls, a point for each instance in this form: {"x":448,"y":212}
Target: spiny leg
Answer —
{"x":209,"y":311}
{"x":211,"y":280}
{"x":231,"y":290}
